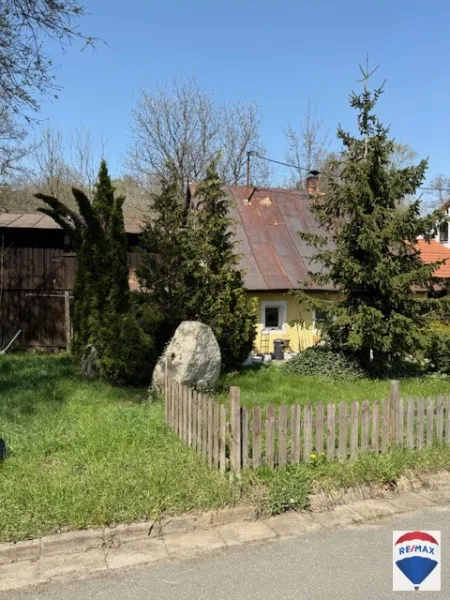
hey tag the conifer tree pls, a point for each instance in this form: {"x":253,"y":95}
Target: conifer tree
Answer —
{"x":190,"y":269}
{"x":165,"y":257}
{"x":219,"y":297}
{"x":101,"y":309}
{"x":369,"y":254}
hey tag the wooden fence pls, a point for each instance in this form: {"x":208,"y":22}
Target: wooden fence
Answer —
{"x":231,"y":436}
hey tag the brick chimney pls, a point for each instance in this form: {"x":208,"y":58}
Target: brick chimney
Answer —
{"x":312,"y":183}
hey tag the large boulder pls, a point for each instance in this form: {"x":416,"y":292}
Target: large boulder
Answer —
{"x":192,"y":358}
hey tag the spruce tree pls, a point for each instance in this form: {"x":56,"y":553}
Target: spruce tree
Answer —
{"x":369,"y":254}
{"x":165,"y":259}
{"x":219,"y":298}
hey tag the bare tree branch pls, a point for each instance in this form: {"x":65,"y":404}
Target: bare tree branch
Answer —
{"x":183,"y":124}
{"x":307,"y":146}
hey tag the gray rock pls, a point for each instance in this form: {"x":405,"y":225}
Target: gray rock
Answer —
{"x":89,"y":363}
{"x":192,"y":357}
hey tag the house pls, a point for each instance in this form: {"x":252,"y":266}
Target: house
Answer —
{"x":276,"y":261}
{"x":442,"y":234}
{"x":38,"y":268}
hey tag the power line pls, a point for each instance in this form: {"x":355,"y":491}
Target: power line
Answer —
{"x":298,"y":168}
{"x":278,"y":162}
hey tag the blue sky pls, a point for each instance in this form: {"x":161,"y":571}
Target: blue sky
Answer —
{"x":275,"y":52}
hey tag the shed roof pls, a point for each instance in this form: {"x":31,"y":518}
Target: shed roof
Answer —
{"x":41,"y":221}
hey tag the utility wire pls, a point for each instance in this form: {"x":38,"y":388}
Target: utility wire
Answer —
{"x":278,"y":162}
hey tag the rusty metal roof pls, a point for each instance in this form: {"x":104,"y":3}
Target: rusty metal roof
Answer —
{"x":274,"y":256}
{"x":41,"y":221}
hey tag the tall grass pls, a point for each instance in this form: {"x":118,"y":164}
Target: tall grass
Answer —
{"x":268,"y":385}
{"x":87,"y":454}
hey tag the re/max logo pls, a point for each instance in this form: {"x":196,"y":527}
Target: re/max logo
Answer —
{"x":417,"y":548}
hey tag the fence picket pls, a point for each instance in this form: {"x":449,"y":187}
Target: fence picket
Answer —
{"x":400,"y":422}
{"x":235,"y":401}
{"x":430,"y":421}
{"x":180,"y":410}
{"x":394,"y":397}
{"x":210,"y":431}
{"x":365,"y":426}
{"x":354,"y":429}
{"x":223,"y":438}
{"x":282,"y":434}
{"x":189,"y":417}
{"x":331,"y":430}
{"x":447,"y":432}
{"x":343,"y":430}
{"x":385,"y":436}
{"x":411,"y":409}
{"x":199,"y":423}
{"x":375,"y":438}
{"x":244,"y":435}
{"x":194,"y":420}
{"x":270,"y":431}
{"x":420,"y":422}
{"x":216,"y":419}
{"x":204,"y":427}
{"x":307,"y":432}
{"x":319,"y":428}
{"x":440,"y":420}
{"x":256,"y":447}
{"x":295,"y":419}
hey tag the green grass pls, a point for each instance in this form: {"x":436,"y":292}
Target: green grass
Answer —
{"x":86,"y":454}
{"x":268,"y":385}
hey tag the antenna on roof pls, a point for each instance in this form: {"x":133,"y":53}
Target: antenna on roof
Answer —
{"x":249,"y":154}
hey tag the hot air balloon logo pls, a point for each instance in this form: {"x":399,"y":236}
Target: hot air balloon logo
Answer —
{"x":417,"y":560}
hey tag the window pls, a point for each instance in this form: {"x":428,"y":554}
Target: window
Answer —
{"x":318,"y":315}
{"x":443,"y":233}
{"x":273,"y":315}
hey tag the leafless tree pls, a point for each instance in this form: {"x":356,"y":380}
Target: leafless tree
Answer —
{"x":307,"y":146}
{"x":183,"y":124}
{"x":26,"y":70}
{"x":85,"y":156}
{"x":240,"y":132}
{"x":12,"y":146}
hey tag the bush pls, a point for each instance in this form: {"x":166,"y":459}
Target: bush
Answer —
{"x":128,"y":354}
{"x":320,"y":361}
{"x":437,"y":350}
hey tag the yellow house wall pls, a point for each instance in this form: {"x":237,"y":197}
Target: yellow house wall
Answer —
{"x":300,"y":335}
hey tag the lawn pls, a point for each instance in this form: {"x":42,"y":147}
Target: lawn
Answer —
{"x":87,"y":454}
{"x":268,"y":385}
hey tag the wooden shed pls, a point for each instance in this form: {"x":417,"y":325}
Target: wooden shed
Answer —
{"x":37,"y":274}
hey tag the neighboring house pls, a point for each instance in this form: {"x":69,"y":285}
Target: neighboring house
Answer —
{"x":442,"y":235}
{"x":432,"y":252}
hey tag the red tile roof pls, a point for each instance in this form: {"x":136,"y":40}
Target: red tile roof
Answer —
{"x":432,"y":252}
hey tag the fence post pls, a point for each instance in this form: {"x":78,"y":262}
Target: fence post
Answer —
{"x":235,"y":413}
{"x":394,"y":399}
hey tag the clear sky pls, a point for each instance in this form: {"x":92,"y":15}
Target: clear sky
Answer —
{"x":277,"y":52}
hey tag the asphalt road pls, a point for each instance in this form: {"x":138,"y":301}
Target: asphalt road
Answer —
{"x":340,"y":564}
